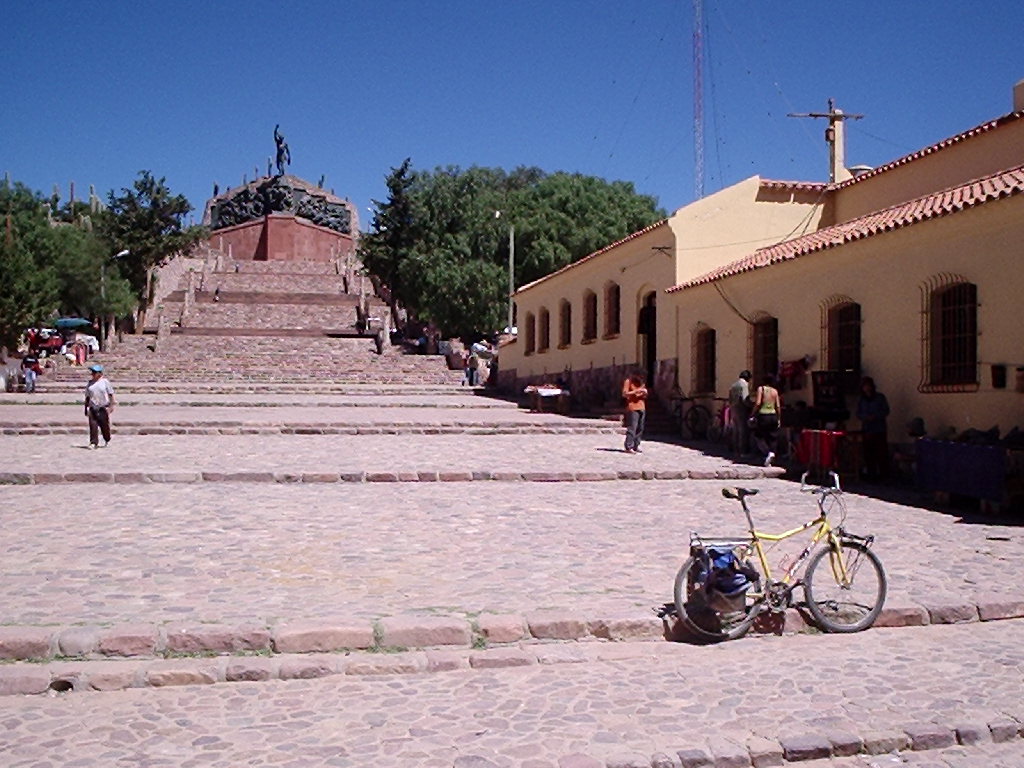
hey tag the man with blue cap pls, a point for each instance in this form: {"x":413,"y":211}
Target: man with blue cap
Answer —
{"x":99,"y":402}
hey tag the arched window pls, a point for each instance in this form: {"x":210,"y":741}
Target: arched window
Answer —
{"x":589,"y":316}
{"x":544,"y":331}
{"x":530,"y":333}
{"x":764,"y":347}
{"x":703,"y":359}
{"x":841,"y":339}
{"x":612,"y":310}
{"x":565,"y":323}
{"x":951,"y":347}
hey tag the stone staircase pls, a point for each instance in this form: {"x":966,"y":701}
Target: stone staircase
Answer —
{"x":242,"y":326}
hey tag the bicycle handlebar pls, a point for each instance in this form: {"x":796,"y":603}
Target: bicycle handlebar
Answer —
{"x":834,"y":488}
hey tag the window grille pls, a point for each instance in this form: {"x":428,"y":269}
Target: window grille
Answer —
{"x":565,"y":325}
{"x":950,"y":334}
{"x":544,"y":331}
{"x":589,"y":316}
{"x":704,"y":376}
{"x":764,"y":348}
{"x":841,"y":339}
{"x":612,"y":310}
{"x":531,"y":333}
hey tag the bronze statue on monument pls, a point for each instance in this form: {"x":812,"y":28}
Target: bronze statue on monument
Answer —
{"x":284,"y":155}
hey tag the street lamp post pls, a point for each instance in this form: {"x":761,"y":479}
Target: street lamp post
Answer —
{"x":511,"y":270}
{"x":107,"y":321}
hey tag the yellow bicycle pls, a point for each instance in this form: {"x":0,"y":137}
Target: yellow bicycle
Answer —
{"x":726,"y":583}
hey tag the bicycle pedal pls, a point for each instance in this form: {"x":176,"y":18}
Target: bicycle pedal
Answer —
{"x":668,"y":609}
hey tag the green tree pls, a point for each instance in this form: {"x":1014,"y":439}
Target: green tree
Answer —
{"x":394,"y":235}
{"x":88,"y":279}
{"x":439,"y":247}
{"x":147,"y":221}
{"x":28,"y":290}
{"x":29,"y":294}
{"x":61,"y":247}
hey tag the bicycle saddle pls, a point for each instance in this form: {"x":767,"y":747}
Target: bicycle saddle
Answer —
{"x":738,"y":493}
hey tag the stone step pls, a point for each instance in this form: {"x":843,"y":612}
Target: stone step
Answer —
{"x":278,"y":267}
{"x":245,"y":316}
{"x":124,"y":427}
{"x":246,"y":282}
{"x":267,"y":297}
{"x":522,"y":634}
{"x":186,"y":389}
{"x":312,"y":331}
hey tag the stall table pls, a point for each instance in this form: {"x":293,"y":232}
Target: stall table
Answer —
{"x":559,"y":396}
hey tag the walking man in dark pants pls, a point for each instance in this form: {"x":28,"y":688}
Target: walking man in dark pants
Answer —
{"x":99,"y":402}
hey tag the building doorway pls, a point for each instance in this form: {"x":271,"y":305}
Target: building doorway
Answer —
{"x":647,"y":329}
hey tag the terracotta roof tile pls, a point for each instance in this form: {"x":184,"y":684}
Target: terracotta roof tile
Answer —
{"x":595,"y":254}
{"x":809,"y":186}
{"x":1003,"y":184}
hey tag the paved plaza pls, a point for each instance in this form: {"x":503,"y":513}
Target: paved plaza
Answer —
{"x":367,"y":513}
{"x":884,"y":691}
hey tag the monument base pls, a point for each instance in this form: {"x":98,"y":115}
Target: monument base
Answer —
{"x":282,"y":237}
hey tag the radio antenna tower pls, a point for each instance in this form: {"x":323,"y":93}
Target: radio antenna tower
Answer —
{"x":698,"y":98}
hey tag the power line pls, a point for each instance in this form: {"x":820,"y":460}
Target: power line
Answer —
{"x":901,"y":147}
{"x":642,"y":83}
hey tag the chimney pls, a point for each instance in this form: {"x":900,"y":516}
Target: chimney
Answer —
{"x":1018,"y":97}
{"x":835,"y":135}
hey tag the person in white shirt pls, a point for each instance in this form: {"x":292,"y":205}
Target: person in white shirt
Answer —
{"x":99,"y":402}
{"x":739,"y":412}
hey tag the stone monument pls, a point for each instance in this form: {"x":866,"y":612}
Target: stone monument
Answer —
{"x":281,"y":217}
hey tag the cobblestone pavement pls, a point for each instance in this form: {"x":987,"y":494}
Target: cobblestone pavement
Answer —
{"x":135,"y":554}
{"x":212,"y":552}
{"x":63,"y":404}
{"x":64,"y":412}
{"x":347,"y":453}
{"x":883,"y":691}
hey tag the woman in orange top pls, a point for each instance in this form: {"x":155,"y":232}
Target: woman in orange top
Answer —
{"x":634,"y":390}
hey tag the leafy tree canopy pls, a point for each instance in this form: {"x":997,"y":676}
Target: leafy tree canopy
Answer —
{"x":50,"y":266}
{"x":442,"y":251}
{"x":147,"y":221}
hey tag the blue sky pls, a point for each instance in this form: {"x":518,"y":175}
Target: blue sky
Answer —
{"x":93,"y":93}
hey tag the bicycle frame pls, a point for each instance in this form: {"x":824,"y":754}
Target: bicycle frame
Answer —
{"x":824,"y":532}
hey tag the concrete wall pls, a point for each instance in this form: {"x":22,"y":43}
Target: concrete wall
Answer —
{"x":295,"y":239}
{"x":241,"y":242}
{"x":971,"y":158}
{"x":639,"y":268}
{"x":887,"y":275}
{"x":281,"y":237}
{"x":734,"y":222}
{"x":697,"y":238}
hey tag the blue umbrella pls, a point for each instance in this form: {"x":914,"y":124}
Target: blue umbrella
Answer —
{"x":72,"y":322}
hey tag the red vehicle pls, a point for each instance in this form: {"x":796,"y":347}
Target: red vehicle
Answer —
{"x":45,"y":342}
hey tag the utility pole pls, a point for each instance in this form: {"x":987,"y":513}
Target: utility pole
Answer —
{"x":835,"y":135}
{"x":511,"y":269}
{"x":511,"y":272}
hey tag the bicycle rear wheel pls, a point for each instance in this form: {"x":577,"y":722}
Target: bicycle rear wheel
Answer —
{"x":716,"y":433}
{"x":851,"y":606}
{"x":697,"y":421}
{"x":700,"y":610}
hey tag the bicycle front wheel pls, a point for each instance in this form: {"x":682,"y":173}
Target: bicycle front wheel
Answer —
{"x":697,"y":422}
{"x":847,"y":604}
{"x":707,"y":614}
